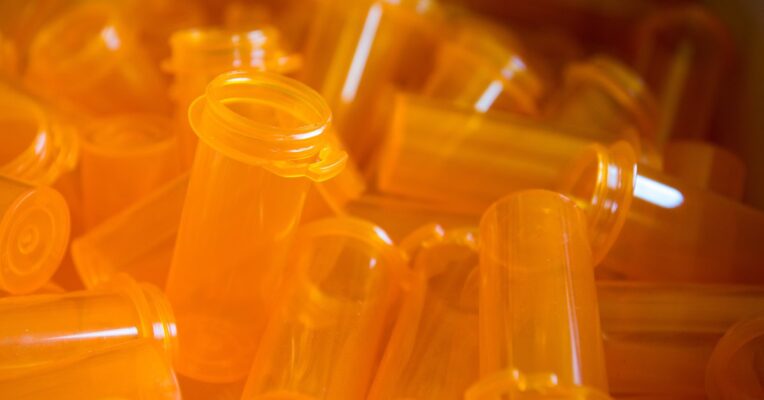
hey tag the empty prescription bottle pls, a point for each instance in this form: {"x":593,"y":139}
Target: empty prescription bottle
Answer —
{"x":136,"y":370}
{"x":693,"y":235}
{"x":34,"y":235}
{"x":705,"y":165}
{"x":540,"y":334}
{"x":261,"y":143}
{"x":734,"y":370}
{"x":346,"y":277}
{"x":125,"y":158}
{"x":199,"y":55}
{"x":89,"y":61}
{"x":42,"y":329}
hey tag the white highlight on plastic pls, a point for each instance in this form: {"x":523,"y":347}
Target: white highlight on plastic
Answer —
{"x":110,"y":37}
{"x":657,"y":193}
{"x":489,"y":96}
{"x":361,"y":55}
{"x":117,"y":332}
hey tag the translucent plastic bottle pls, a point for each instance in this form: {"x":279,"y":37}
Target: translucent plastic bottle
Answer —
{"x":89,"y":61}
{"x":540,"y":334}
{"x":123,"y":159}
{"x":199,"y":55}
{"x":326,"y":337}
{"x":734,"y":370}
{"x":706,"y":166}
{"x":34,"y":234}
{"x":432,"y":353}
{"x":693,"y":235}
{"x":262,"y":141}
{"x":43,"y":329}
{"x":138,"y":370}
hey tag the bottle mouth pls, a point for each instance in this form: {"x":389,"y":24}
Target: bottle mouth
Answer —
{"x":601,"y":181}
{"x":623,"y":85}
{"x":34,"y":234}
{"x":736,"y":367}
{"x":129,"y":135}
{"x":261,"y":118}
{"x":516,"y":385}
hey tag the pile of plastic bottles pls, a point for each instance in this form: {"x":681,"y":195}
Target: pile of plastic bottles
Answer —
{"x":383,"y":200}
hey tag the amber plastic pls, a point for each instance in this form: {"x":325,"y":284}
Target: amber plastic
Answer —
{"x":345,"y":278}
{"x":128,"y":371}
{"x":693,"y":235}
{"x":355,"y":50}
{"x":34,"y":234}
{"x":433,"y":350}
{"x":734,"y":370}
{"x":660,"y":337}
{"x":540,"y":331}
{"x":9,"y":58}
{"x":451,"y":156}
{"x":706,"y":166}
{"x":199,"y":55}
{"x":89,"y":60}
{"x":262,"y":141}
{"x":42,"y":329}
{"x":677,"y":48}
{"x":123,"y":159}
{"x":485,"y":69}
{"x":138,"y":241}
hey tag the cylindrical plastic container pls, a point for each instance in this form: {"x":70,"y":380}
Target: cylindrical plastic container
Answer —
{"x":672,"y":231}
{"x":432,"y":353}
{"x":706,"y":166}
{"x":9,"y":58}
{"x":43,"y":329}
{"x":34,"y":234}
{"x":125,"y":158}
{"x":262,"y":141}
{"x":138,"y":241}
{"x":138,"y":370}
{"x":734,"y":370}
{"x":345,"y":279}
{"x":89,"y":60}
{"x":684,"y":53}
{"x":199,"y":55}
{"x":539,"y":318}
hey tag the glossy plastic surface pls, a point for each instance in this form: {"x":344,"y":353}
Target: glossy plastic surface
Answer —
{"x":539,"y":320}
{"x":34,"y":234}
{"x":693,"y":235}
{"x":735,"y":370}
{"x":42,"y":329}
{"x":677,"y":48}
{"x":261,"y":143}
{"x":124,"y":159}
{"x":326,"y":337}
{"x":138,"y":241}
{"x":706,"y":166}
{"x":455,"y":157}
{"x":199,"y":55}
{"x":659,"y":337}
{"x":89,"y":60}
{"x":9,"y":58}
{"x":433,"y":350}
{"x":137,"y":370}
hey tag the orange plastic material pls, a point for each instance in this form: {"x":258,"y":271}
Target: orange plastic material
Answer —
{"x":482,"y":68}
{"x":355,"y":50}
{"x":42,"y":329}
{"x":326,"y":337}
{"x":123,"y":159}
{"x":400,"y":216}
{"x":138,"y":241}
{"x":734,"y":371}
{"x":706,"y":166}
{"x":89,"y":61}
{"x":693,"y":235}
{"x":677,"y":48}
{"x":262,"y":141}
{"x":660,"y":337}
{"x":455,"y":157}
{"x":199,"y":55}
{"x":9,"y":58}
{"x":540,"y":332}
{"x":34,"y":234}
{"x":242,"y":15}
{"x":433,"y":350}
{"x":610,"y":101}
{"x":137,"y":370}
